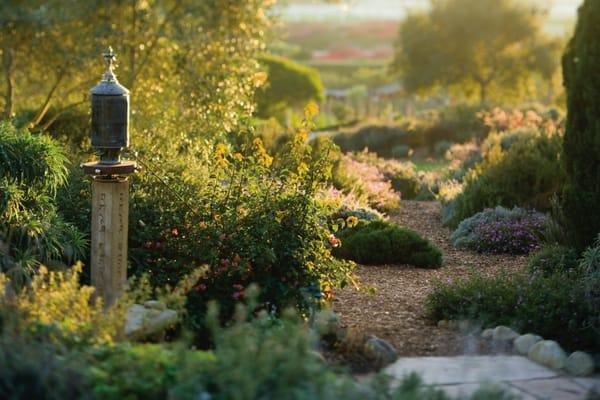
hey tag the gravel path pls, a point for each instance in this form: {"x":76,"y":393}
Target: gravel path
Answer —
{"x":395,"y":311}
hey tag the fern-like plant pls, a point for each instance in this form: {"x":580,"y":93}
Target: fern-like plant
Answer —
{"x":32,"y":169}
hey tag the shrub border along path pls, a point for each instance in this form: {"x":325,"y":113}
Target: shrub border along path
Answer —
{"x":395,"y":311}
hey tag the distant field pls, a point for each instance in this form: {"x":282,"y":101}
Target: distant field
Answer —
{"x":430,"y":165}
{"x":323,"y":35}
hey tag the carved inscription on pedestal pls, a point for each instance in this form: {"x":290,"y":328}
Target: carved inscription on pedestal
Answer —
{"x":110,"y":212}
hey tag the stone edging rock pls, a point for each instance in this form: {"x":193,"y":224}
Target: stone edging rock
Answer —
{"x":545,"y":352}
{"x":149,"y":319}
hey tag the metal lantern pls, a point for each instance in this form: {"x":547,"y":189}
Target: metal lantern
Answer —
{"x":110,"y":114}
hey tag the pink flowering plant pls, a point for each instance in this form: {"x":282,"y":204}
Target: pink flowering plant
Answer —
{"x":365,"y":181}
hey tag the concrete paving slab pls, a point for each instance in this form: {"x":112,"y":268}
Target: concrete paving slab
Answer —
{"x":552,"y":389}
{"x":469,"y":369}
{"x":464,"y":390}
{"x":589,"y":383}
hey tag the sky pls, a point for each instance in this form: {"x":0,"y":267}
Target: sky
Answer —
{"x":561,"y":12}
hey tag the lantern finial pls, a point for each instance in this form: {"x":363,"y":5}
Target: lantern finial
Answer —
{"x":110,"y":59}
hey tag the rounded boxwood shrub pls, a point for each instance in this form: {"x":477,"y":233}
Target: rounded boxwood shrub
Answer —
{"x":552,"y":259}
{"x":383,"y":242}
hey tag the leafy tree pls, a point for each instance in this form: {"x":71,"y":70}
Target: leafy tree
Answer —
{"x":582,"y":138}
{"x":482,"y":44}
{"x":199,"y":57}
{"x":288,"y":85}
{"x":46,"y":48}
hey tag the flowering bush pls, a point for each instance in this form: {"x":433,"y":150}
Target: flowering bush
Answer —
{"x":501,"y":230}
{"x":366,"y":181}
{"x":250,"y":217}
{"x":499,"y":119}
{"x":402,"y":175}
{"x":334,"y":199}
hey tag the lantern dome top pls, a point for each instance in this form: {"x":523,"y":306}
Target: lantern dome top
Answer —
{"x":109,"y":85}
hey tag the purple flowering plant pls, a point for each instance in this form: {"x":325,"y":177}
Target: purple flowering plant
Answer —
{"x":501,"y":230}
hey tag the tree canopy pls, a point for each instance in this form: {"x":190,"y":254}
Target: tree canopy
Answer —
{"x":483,"y":44}
{"x":197,"y":56}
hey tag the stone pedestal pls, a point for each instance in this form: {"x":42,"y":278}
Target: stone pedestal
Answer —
{"x":110,"y":215}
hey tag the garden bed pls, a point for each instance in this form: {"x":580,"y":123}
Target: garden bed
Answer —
{"x":395,"y":311}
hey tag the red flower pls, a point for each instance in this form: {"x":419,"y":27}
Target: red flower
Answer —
{"x":200,"y":288}
{"x":335,"y":242}
{"x":238,"y":295}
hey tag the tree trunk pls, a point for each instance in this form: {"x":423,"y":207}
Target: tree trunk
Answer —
{"x":132,"y":45}
{"x":483,"y":86}
{"x":46,"y":106}
{"x":7,"y":69}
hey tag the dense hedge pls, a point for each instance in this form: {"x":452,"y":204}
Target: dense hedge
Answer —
{"x":582,"y":138}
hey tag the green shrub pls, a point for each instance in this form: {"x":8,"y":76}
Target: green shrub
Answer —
{"x":32,"y":169}
{"x":146,"y":371}
{"x":400,"y":151}
{"x":404,"y":179}
{"x":441,"y":148}
{"x":257,"y":356}
{"x":41,"y":371}
{"x":526,"y":174}
{"x":381,"y":139}
{"x":551,"y":259}
{"x":289,"y":85}
{"x":457,"y":124}
{"x":554,"y":306}
{"x":382,"y":242}
{"x":454,"y":124}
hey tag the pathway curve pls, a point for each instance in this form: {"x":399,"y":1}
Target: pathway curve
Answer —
{"x":464,"y":375}
{"x":456,"y":363}
{"x":395,"y":311}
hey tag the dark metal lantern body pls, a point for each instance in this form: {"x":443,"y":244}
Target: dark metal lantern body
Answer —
{"x":110,"y":115}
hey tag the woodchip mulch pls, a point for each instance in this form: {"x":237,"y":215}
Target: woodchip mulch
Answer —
{"x":395,"y":311}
